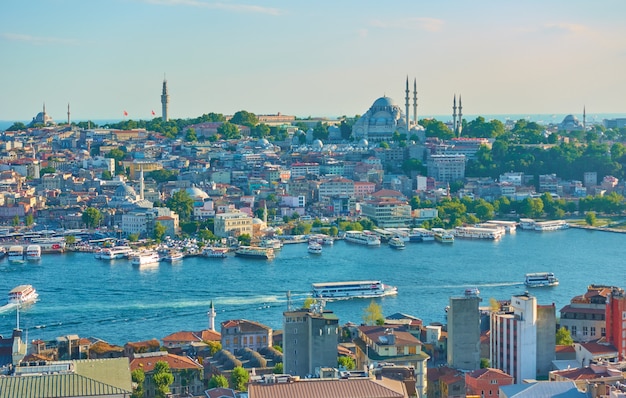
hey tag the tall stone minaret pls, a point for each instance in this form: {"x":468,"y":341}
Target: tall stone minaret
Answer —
{"x":211,"y":315}
{"x":165,"y":100}
{"x":141,"y":182}
{"x":68,"y":114}
{"x":415,"y":102}
{"x":460,"y":121}
{"x":407,"y":104}
{"x":454,"y":115}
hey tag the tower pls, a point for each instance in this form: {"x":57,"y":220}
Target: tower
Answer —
{"x":454,"y":115}
{"x":68,"y":114}
{"x":464,"y":332}
{"x":414,"y":102}
{"x":407,"y":103}
{"x":460,"y":120}
{"x":615,"y":314}
{"x":141,"y":182}
{"x":211,"y":314}
{"x":165,"y":100}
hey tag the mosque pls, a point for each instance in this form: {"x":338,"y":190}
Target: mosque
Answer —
{"x":42,"y":118}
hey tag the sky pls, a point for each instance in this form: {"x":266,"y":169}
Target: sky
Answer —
{"x":309,"y":58}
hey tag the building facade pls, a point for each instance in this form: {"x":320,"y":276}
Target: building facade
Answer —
{"x":464,"y":332}
{"x":232,"y":224}
{"x":240,"y":333}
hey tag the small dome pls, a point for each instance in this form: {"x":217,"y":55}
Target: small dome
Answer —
{"x":318,"y":144}
{"x":125,"y":191}
{"x":196,"y":193}
{"x":263,"y":142}
{"x":363,"y":143}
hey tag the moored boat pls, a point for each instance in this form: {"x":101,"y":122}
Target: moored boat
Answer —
{"x":116,"y":252}
{"x":16,"y":254}
{"x":443,"y":236}
{"x":541,"y":279}
{"x":33,"y":252}
{"x":145,"y":258}
{"x":396,"y":243}
{"x":266,"y":253}
{"x":23,"y":294}
{"x":479,"y":233}
{"x":314,"y":248}
{"x":173,"y":256}
{"x":214,"y":252}
{"x":362,"y":238}
{"x":352,"y":289}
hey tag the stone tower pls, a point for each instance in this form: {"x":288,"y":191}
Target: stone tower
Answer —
{"x":165,"y":100}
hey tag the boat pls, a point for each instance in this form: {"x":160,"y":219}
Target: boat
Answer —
{"x":51,"y":245}
{"x":541,"y":279}
{"x":362,"y":238}
{"x":443,"y":236}
{"x":552,"y":225}
{"x":145,"y":258}
{"x":421,"y":235}
{"x":255,"y":252}
{"x":33,"y":252}
{"x":23,"y":294}
{"x":271,"y":243}
{"x":115,"y":252}
{"x":328,"y":240}
{"x":173,"y":255}
{"x":472,"y":291}
{"x":527,"y":223}
{"x":314,"y":248}
{"x":215,"y":252}
{"x":396,"y":243}
{"x":16,"y":254}
{"x":352,"y":289}
{"x":479,"y":233}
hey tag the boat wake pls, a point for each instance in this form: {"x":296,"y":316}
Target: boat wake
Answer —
{"x":468,"y":285}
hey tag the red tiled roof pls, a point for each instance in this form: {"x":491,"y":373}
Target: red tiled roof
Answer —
{"x":488,"y":374}
{"x":564,"y":348}
{"x":185,"y":336}
{"x":596,"y":348}
{"x":350,"y":388}
{"x":175,"y":362}
{"x":569,"y":308}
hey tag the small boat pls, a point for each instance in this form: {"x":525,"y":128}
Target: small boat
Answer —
{"x":215,"y":252}
{"x":115,"y":252}
{"x":328,"y":240}
{"x":472,"y":291}
{"x":315,"y":248}
{"x":173,"y":256}
{"x":396,"y":243}
{"x":33,"y":252}
{"x":541,"y":279}
{"x":271,"y":243}
{"x":266,"y":253}
{"x":443,"y":236}
{"x":23,"y":294}
{"x":145,"y":258}
{"x":16,"y":254}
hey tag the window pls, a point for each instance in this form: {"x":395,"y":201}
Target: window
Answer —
{"x":603,"y":332}
{"x":592,"y":330}
{"x":585,"y":331}
{"x":573,"y":333}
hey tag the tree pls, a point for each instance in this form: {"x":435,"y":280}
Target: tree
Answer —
{"x":106,"y":175}
{"x":138,"y":377}
{"x":133,"y":237}
{"x":162,"y":378}
{"x":182,"y":204}
{"x":70,"y":239}
{"x":373,"y":314}
{"x":590,"y":218}
{"x":244,"y":239}
{"x":563,"y":337}
{"x":228,"y":131}
{"x":308,"y":302}
{"x":278,"y":368}
{"x":346,"y":362}
{"x":17,"y":126}
{"x":191,"y":135}
{"x":218,"y":381}
{"x":91,"y":217}
{"x":47,"y":170}
{"x":239,"y":379}
{"x":29,"y":220}
{"x":484,"y":363}
{"x":245,"y":118}
{"x":214,"y":347}
{"x":159,"y":232}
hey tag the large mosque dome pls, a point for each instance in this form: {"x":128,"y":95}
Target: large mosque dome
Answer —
{"x":194,"y":193}
{"x":380,"y":122}
{"x":125,"y":191}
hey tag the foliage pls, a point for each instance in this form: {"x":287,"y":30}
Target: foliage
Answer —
{"x":278,"y":368}
{"x":484,"y":363}
{"x":228,"y":131}
{"x":206,"y":235}
{"x":189,"y":227}
{"x":47,"y":170}
{"x":373,"y":313}
{"x":91,"y":217}
{"x":244,"y":239}
{"x":214,"y":346}
{"x":278,"y":348}
{"x":163,"y":175}
{"x":563,"y":337}
{"x":302,"y":228}
{"x":133,"y":237}
{"x":239,"y":379}
{"x":17,"y":126}
{"x":245,"y":118}
{"x":159,"y":232}
{"x":308,"y":302}
{"x":138,"y":377}
{"x":29,"y":220}
{"x":590,"y":218}
{"x":70,"y":239}
{"x":182,"y":204}
{"x":106,"y":175}
{"x":436,"y":128}
{"x":346,"y":362}
{"x":162,"y":378}
{"x":218,"y":381}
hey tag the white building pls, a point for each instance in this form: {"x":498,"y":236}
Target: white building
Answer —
{"x":336,"y":186}
{"x":232,"y":224}
{"x":446,"y":168}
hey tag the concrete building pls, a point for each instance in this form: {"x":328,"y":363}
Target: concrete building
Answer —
{"x":310,"y":338}
{"x":464,"y":332}
{"x":584,"y":316}
{"x":240,"y":333}
{"x":446,"y":168}
{"x":616,"y":321}
{"x":232,"y":224}
{"x":335,"y":186}
{"x":387,"y":212}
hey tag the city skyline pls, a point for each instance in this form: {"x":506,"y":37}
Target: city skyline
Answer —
{"x":321,"y":59}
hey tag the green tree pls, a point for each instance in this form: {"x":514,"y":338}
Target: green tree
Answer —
{"x":159,"y":232}
{"x":163,"y":175}
{"x":278,"y":368}
{"x":373,"y":314}
{"x":191,"y":135}
{"x":17,"y":126}
{"x":228,"y":131}
{"x":484,"y":363}
{"x":214,"y":347}
{"x":206,"y":234}
{"x":70,"y":239}
{"x":92,"y":217}
{"x":162,"y":378}
{"x":563,"y":337}
{"x":47,"y":170}
{"x":182,"y":204}
{"x":239,"y":379}
{"x":138,"y":377}
{"x":308,"y":302}
{"x":590,"y":218}
{"x":218,"y":381}
{"x":346,"y":362}
{"x":133,"y":237}
{"x":244,"y":239}
{"x":29,"y":220}
{"x":245,"y":118}
{"x":106,"y":175}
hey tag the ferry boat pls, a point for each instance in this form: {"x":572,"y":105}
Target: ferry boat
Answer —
{"x":51,"y":245}
{"x":215,"y":252}
{"x":145,"y":258}
{"x":255,"y":252}
{"x":314,"y":248}
{"x":553,"y":225}
{"x":396,"y":243}
{"x":173,"y":256}
{"x":421,"y":235}
{"x":115,"y":252}
{"x":328,"y":240}
{"x":362,"y":238}
{"x":541,"y":279}
{"x":479,"y":233}
{"x":23,"y":294}
{"x":33,"y":252}
{"x":527,"y":223}
{"x":443,"y":236}
{"x":352,"y":289}
{"x":16,"y":254}
{"x":271,"y":243}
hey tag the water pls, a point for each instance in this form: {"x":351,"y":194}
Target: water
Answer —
{"x":117,"y":302}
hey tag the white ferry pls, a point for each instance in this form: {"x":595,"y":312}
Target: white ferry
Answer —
{"x":443,"y":236}
{"x":328,"y":240}
{"x":362,"y":238}
{"x":16,"y":254}
{"x":527,"y":223}
{"x":479,"y":233}
{"x":173,"y":255}
{"x":541,"y":279}
{"x":215,"y":252}
{"x":145,"y":258}
{"x":271,"y":243}
{"x":23,"y":294}
{"x":115,"y":252}
{"x":509,"y":226}
{"x":421,"y":235}
{"x":553,"y":225}
{"x":33,"y":252}
{"x":255,"y":252}
{"x":396,"y":243}
{"x":314,"y":248}
{"x":352,"y":289}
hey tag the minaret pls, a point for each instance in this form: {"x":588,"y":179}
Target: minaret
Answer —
{"x":165,"y":100}
{"x":454,"y":115}
{"x":68,"y":114}
{"x":265,"y":212}
{"x":407,"y":104}
{"x":460,"y":121}
{"x":141,"y":186}
{"x":211,"y":315}
{"x":415,"y":102}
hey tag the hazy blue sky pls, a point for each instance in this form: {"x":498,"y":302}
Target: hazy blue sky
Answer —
{"x":318,"y":58}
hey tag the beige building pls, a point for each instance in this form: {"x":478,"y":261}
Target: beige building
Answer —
{"x":240,"y":333}
{"x":387,"y":212}
{"x":232,"y":224}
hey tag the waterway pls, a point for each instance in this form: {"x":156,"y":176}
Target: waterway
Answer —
{"x":118,"y":302}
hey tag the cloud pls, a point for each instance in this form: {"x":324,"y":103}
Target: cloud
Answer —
{"x":564,"y":27}
{"x":417,"y":23}
{"x":37,"y":40}
{"x":244,"y":8}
